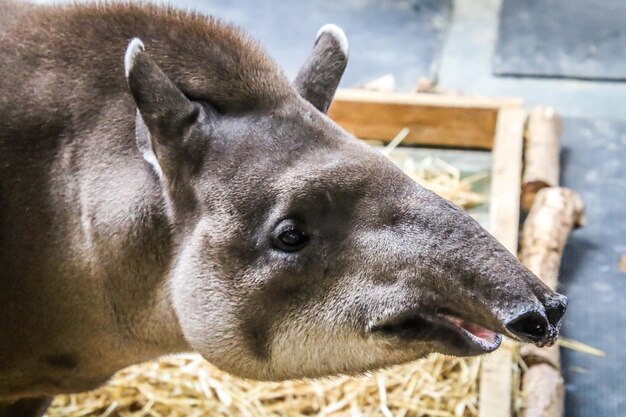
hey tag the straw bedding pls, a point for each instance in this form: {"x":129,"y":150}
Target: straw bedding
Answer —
{"x":188,"y":386}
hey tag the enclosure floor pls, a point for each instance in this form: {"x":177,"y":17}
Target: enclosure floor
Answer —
{"x":466,"y":65}
{"x":594,"y":155}
{"x":582,"y":40}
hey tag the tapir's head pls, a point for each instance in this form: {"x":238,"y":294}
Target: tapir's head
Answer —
{"x":303,"y":252}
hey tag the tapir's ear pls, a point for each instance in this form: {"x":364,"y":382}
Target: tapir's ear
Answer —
{"x":319,"y":77}
{"x":167,"y":113}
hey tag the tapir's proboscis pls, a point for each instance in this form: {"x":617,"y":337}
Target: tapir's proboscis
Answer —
{"x":164,"y":188}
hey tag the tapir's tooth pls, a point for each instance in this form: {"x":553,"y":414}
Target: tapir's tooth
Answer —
{"x":134,"y":48}
{"x":337,"y":33}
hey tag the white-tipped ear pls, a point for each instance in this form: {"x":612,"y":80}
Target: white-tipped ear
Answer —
{"x":168,"y":113}
{"x":319,"y":77}
{"x":134,"y":48}
{"x":337,"y":33}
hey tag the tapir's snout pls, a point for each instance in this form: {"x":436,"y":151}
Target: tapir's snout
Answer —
{"x":468,"y":290}
{"x":540,"y":325}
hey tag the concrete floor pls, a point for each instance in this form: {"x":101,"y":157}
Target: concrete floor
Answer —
{"x":465,"y":65}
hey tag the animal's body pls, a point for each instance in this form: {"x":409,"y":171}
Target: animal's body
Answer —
{"x":202,"y":202}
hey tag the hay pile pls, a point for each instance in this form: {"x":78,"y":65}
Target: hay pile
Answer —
{"x":442,"y":178}
{"x":187,"y":386}
{"x":436,"y":174}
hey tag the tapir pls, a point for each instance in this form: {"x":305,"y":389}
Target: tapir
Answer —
{"x":165,"y":188}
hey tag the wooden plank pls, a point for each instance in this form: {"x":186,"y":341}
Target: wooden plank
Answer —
{"x":496,"y":382}
{"x":506,"y":177}
{"x":433,"y":120}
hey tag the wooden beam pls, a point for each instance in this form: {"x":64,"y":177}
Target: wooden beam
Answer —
{"x":506,"y":177}
{"x":433,"y":120}
{"x":496,"y":383}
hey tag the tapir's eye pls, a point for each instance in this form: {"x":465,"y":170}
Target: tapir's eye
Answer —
{"x":293,"y":237}
{"x":289,"y":237}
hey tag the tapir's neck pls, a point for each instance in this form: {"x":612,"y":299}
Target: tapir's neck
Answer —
{"x":136,"y":259}
{"x":93,"y":272}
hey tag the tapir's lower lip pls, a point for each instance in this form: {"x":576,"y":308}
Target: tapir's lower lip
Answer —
{"x":460,"y":333}
{"x":484,"y":337}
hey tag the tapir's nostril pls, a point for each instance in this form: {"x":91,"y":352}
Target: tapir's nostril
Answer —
{"x":555,"y":310}
{"x":531,"y":325}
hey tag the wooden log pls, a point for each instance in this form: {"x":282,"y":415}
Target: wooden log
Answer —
{"x":385,"y":83}
{"x":496,"y":379}
{"x":544,"y":392}
{"x":554,"y":213}
{"x":433,"y":119}
{"x":541,"y":156}
{"x":541,"y":356}
{"x":426,"y":85}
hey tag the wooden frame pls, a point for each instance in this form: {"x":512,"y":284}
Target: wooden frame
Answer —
{"x":434,"y":120}
{"x":457,"y":122}
{"x":496,"y":386}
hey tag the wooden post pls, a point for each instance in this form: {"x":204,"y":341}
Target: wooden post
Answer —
{"x":554,"y":213}
{"x":541,"y":154}
{"x":496,"y":381}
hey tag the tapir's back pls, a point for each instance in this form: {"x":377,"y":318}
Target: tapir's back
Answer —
{"x":65,"y":110}
{"x":62,"y":87}
{"x":11,"y":12}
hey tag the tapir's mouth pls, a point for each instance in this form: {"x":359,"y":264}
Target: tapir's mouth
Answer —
{"x":461,"y":335}
{"x":488,"y":339}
